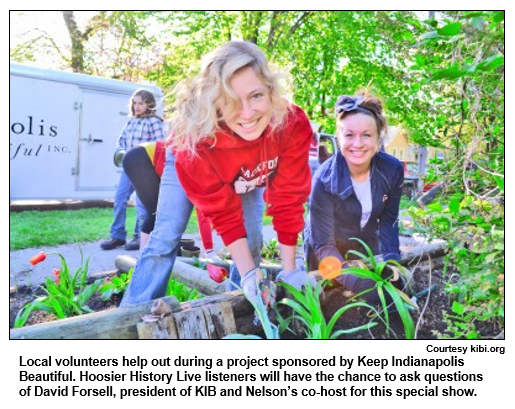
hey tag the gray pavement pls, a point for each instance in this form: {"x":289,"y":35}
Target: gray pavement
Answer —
{"x":21,"y":272}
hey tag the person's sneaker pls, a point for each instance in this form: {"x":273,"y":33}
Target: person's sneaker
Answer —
{"x":111,"y":244}
{"x":133,"y":244}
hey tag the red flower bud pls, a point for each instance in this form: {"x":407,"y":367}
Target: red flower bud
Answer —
{"x":38,"y":258}
{"x":216,"y":273}
{"x":56,"y":272}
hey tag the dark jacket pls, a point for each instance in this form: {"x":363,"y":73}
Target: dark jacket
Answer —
{"x":335,"y":211}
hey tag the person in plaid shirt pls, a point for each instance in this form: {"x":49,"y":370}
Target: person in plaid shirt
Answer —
{"x":143,"y":126}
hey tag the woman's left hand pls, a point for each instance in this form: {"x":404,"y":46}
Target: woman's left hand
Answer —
{"x":297,"y":278}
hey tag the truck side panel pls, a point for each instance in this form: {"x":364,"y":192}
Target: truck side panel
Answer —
{"x":63,"y":131}
{"x":43,"y":119}
{"x":102,"y":118}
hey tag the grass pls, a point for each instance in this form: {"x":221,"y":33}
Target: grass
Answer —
{"x":29,"y":229}
{"x":55,"y":227}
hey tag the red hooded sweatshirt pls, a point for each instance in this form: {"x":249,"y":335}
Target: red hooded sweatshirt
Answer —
{"x":230,"y":165}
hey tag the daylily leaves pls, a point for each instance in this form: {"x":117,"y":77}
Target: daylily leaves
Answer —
{"x":65,"y":297}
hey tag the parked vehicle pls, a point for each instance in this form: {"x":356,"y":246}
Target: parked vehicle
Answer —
{"x":410,"y":179}
{"x":63,"y":128}
{"x":323,"y":146}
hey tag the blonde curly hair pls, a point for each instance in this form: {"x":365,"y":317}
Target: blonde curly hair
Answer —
{"x":197,"y":114}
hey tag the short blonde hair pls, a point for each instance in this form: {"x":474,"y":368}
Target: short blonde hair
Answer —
{"x":197,"y":113}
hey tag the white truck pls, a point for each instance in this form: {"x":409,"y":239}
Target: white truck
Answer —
{"x":63,"y":128}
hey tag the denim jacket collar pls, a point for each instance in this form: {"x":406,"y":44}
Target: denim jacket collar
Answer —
{"x":338,"y":181}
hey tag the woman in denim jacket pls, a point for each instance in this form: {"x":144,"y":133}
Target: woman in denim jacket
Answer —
{"x":356,"y":193}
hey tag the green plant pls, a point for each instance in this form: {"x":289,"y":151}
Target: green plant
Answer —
{"x":474,"y":231}
{"x":373,"y":270}
{"x":308,"y":311}
{"x":118,"y":285}
{"x":67,"y":294}
{"x":469,"y":114}
{"x":181,"y":291}
{"x":199,"y":264}
{"x":115,"y":285}
{"x":270,"y":250}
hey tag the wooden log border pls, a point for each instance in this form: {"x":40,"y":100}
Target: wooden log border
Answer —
{"x":115,"y":323}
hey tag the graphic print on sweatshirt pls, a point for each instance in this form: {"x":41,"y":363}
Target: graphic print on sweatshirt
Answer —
{"x":250,"y":180}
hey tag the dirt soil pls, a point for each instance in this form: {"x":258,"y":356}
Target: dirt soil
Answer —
{"x":429,"y":320}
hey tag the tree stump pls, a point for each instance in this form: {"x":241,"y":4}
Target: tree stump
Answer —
{"x":211,"y":321}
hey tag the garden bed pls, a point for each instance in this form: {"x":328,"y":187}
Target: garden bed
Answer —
{"x":19,"y":296}
{"x":429,"y":319}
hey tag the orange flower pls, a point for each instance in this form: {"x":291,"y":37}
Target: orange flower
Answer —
{"x":38,"y":258}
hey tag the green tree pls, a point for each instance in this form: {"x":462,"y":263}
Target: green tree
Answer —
{"x":114,"y":44}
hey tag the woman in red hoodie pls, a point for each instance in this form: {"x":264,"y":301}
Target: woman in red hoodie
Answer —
{"x":234,"y":133}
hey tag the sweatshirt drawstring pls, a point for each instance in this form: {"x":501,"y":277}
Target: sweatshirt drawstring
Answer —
{"x":263,"y":156}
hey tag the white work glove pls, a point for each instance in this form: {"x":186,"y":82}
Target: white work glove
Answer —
{"x":297,"y":278}
{"x":212,"y":256}
{"x":249,"y":284}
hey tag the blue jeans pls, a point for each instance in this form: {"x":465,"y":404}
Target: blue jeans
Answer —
{"x":253,"y":207}
{"x":122,"y":196}
{"x":152,"y":272}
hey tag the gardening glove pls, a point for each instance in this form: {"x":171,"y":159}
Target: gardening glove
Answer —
{"x":249,"y":284}
{"x":296,"y":278}
{"x":256,"y":284}
{"x":211,"y":255}
{"x":118,"y":157}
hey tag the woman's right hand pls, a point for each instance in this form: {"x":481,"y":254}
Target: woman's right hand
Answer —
{"x":249,"y":284}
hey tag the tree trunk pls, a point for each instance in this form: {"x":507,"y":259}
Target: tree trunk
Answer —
{"x":77,"y":61}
